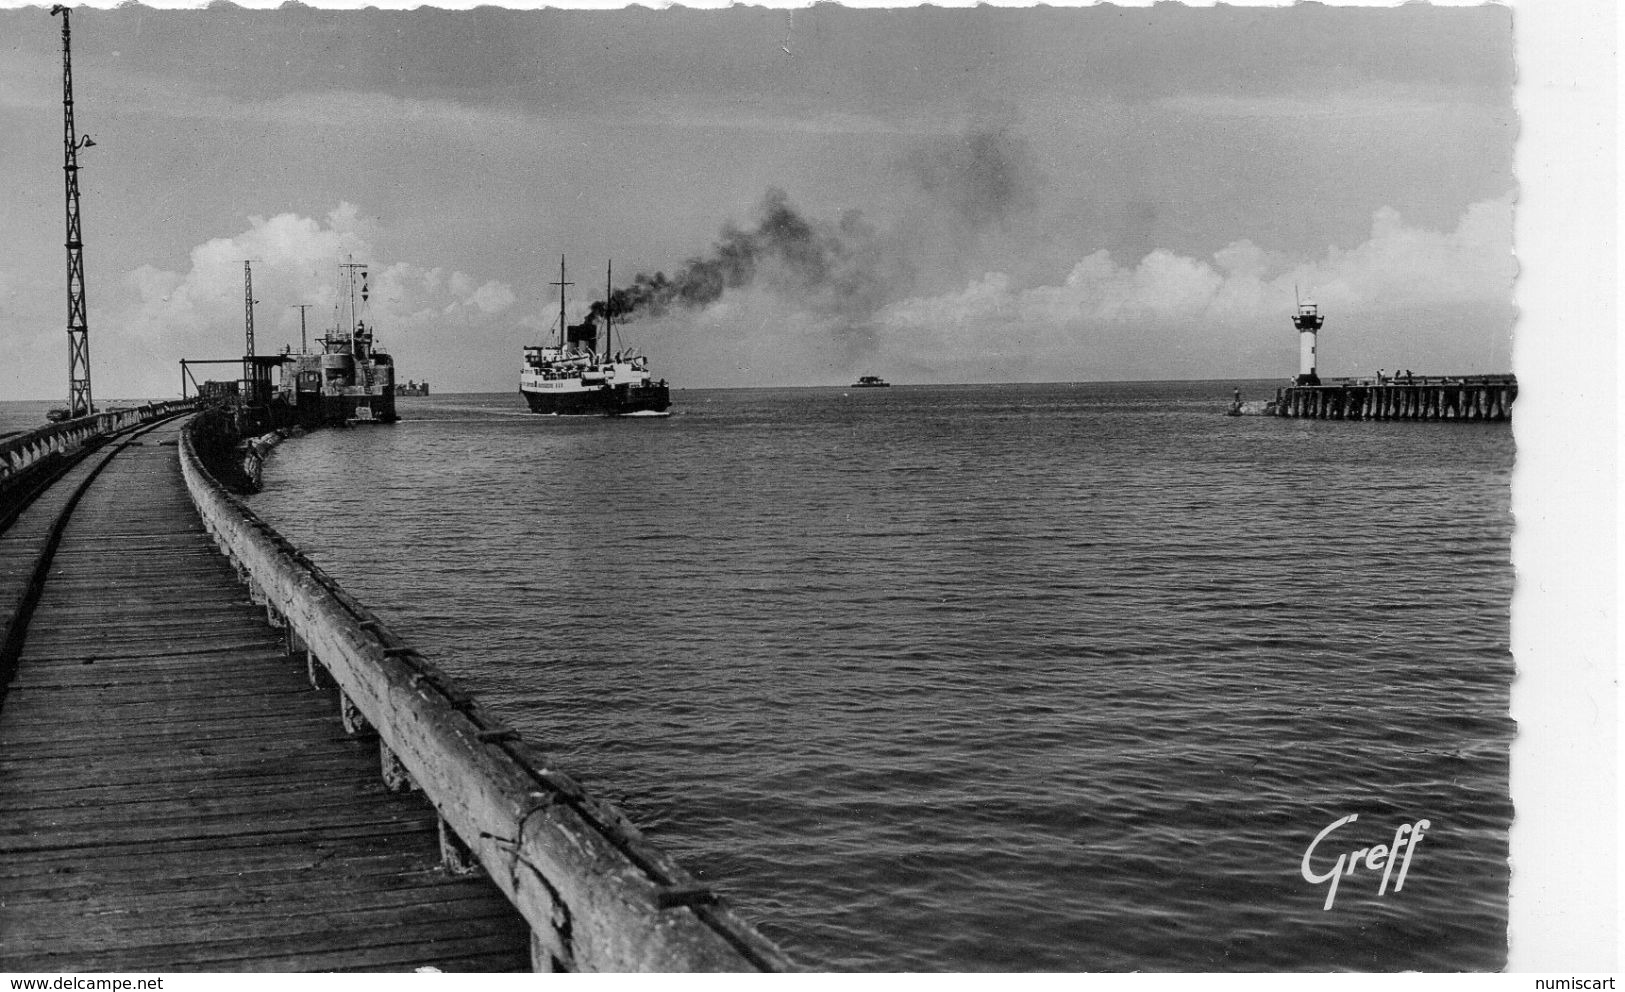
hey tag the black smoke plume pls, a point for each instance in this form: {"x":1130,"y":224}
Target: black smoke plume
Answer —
{"x":988,"y":176}
{"x":829,"y":267}
{"x":983,"y":178}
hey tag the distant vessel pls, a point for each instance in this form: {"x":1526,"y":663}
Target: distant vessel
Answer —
{"x":573,"y":379}
{"x":870,"y":380}
{"x":412,"y":387}
{"x":346,"y":382}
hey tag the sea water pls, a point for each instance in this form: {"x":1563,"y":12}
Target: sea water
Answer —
{"x":1027,"y":677}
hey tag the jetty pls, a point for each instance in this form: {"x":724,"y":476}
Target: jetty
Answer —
{"x":1401,"y":396}
{"x":214,"y":759}
{"x":1422,"y":397}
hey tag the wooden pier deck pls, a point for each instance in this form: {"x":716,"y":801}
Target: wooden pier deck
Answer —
{"x":174,"y":795}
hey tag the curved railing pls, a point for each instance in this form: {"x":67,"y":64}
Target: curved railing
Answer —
{"x":20,"y":452}
{"x":597,"y":895}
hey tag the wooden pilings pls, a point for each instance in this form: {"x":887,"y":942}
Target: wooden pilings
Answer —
{"x":1460,"y":398}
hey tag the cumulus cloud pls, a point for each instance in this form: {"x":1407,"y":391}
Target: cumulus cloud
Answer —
{"x":1208,"y":307}
{"x":295,"y":260}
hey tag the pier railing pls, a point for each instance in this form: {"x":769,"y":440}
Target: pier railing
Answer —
{"x":20,"y":452}
{"x":1401,"y":379}
{"x":597,"y":895}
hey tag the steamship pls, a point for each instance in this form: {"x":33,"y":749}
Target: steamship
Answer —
{"x":574,"y":378}
{"x":347,"y":381}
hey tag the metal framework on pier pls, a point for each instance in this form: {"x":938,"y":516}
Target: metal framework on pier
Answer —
{"x":248,"y":308}
{"x":79,"y":399}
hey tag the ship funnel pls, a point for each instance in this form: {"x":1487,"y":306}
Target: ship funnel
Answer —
{"x":584,"y":334}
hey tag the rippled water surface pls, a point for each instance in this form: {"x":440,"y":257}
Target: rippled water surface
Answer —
{"x":1045,"y":677}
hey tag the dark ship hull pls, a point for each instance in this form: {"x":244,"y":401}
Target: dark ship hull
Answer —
{"x":332,"y":390}
{"x":627,"y":399}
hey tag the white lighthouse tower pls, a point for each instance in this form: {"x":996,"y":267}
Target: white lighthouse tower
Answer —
{"x":1307,"y":320}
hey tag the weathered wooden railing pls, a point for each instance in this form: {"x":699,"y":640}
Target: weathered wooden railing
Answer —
{"x":1403,"y":379}
{"x":21,"y":452}
{"x":597,"y":895}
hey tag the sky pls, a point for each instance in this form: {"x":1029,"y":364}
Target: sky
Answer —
{"x":931,"y":195}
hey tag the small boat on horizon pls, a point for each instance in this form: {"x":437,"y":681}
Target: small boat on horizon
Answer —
{"x":870,"y":381}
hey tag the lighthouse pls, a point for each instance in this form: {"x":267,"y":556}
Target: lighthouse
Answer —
{"x":1307,"y":320}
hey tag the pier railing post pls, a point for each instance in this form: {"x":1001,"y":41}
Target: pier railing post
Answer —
{"x":455,"y":854}
{"x":355,"y":722}
{"x":396,"y":777}
{"x":317,"y":672}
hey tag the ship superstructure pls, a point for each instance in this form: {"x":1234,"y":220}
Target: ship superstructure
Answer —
{"x":347,"y":381}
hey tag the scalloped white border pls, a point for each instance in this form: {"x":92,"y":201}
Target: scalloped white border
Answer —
{"x":1566,"y":869}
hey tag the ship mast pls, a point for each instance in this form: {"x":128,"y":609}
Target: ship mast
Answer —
{"x":609,"y":322}
{"x":350,"y":271}
{"x":561,"y":284}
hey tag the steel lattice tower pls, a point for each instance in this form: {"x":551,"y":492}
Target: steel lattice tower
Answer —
{"x":79,"y":399}
{"x":248,"y":308}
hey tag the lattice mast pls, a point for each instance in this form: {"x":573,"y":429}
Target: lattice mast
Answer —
{"x":248,"y":309}
{"x":79,"y":398}
{"x":251,"y":374}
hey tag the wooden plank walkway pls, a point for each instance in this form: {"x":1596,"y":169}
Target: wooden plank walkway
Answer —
{"x":174,"y":796}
